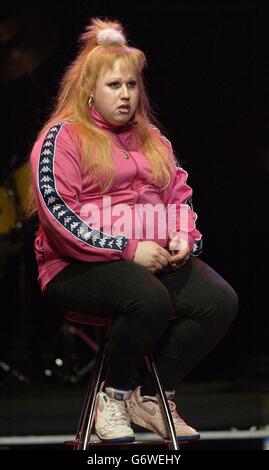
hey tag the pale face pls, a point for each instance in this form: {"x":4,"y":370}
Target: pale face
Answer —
{"x":116,"y":94}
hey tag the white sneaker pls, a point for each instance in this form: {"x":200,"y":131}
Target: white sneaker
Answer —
{"x":112,"y":422}
{"x":145,"y":411}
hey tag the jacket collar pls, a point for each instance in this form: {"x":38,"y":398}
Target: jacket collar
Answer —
{"x":101,"y":122}
{"x":123,"y":135}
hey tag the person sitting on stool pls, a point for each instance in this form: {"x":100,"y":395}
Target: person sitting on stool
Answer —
{"x":100,"y":169}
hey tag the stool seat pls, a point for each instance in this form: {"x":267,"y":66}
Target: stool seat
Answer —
{"x":82,"y":440}
{"x":85,"y":319}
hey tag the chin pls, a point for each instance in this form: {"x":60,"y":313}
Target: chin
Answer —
{"x":121,"y":122}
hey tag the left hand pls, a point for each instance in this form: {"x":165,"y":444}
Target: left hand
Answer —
{"x":180,"y":252}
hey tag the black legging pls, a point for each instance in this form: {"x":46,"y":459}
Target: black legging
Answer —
{"x":140,"y":304}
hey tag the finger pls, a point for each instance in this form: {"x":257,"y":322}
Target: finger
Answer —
{"x":177,"y":258}
{"x":163,"y":260}
{"x":178,"y":265}
{"x":178,"y":255}
{"x":158,"y":266}
{"x":165,"y":253}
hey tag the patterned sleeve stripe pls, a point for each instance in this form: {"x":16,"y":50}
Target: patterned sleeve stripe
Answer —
{"x":68,"y":219}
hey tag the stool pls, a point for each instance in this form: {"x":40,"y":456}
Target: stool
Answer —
{"x":82,"y":440}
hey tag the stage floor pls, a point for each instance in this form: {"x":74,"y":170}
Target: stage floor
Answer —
{"x":38,"y":413}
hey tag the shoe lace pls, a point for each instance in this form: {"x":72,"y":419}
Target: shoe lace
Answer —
{"x":172,"y":406}
{"x":118,"y":412}
{"x":176,"y":418}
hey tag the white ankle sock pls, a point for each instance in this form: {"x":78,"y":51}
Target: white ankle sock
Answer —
{"x":118,"y":394}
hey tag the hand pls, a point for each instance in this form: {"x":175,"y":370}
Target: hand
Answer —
{"x":151,"y":255}
{"x":180,"y":252}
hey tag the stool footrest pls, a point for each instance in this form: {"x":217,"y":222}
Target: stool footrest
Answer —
{"x":75,"y":444}
{"x":157,"y":442}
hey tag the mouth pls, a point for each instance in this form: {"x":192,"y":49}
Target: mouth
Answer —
{"x":125,"y":108}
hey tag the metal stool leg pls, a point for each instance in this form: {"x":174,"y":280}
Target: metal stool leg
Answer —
{"x":87,"y":414}
{"x":82,"y":440}
{"x":163,"y":402}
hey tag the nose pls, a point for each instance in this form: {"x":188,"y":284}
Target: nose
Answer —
{"x":125,"y":94}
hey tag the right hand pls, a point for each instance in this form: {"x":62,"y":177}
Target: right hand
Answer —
{"x":151,"y":255}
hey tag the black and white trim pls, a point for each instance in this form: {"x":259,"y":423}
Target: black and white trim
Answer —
{"x":68,"y":219}
{"x":198,"y":247}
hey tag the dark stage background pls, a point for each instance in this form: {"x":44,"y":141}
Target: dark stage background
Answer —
{"x":207,"y":77}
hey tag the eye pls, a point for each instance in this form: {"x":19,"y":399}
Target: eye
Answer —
{"x":114,"y":84}
{"x":132,"y":84}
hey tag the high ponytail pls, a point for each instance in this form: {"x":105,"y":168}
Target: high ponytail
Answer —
{"x":100,"y":32}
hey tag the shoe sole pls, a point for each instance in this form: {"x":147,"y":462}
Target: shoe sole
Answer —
{"x":117,"y":439}
{"x":187,"y":437}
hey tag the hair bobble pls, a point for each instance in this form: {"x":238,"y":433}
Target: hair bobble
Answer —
{"x":109,"y":36}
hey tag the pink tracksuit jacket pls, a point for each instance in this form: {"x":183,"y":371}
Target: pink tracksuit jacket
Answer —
{"x":66,"y":193}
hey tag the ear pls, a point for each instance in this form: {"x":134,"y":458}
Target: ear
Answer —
{"x":86,"y":88}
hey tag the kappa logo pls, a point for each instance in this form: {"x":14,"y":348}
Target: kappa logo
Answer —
{"x":119,"y":396}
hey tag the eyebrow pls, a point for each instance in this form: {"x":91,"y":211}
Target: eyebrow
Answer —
{"x":119,"y":78}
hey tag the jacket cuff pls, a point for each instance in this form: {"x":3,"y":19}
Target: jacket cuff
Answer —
{"x":130,"y":249}
{"x":197,"y":247}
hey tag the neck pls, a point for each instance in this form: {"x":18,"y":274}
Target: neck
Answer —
{"x":100,"y":121}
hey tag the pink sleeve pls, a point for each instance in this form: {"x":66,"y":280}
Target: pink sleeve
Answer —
{"x":57,"y":184}
{"x":182,"y":218}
